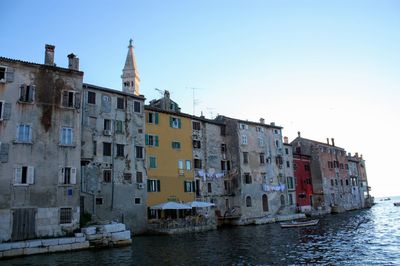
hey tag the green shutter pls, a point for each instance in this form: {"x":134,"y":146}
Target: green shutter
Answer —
{"x":170,"y":121}
{"x":156,"y":137}
{"x":156,"y":118}
{"x":184,"y":186}
{"x":179,"y":123}
{"x":179,"y":145}
{"x":147,"y":139}
{"x":148,"y":185}
{"x":193,"y":186}
{"x":158,"y":185}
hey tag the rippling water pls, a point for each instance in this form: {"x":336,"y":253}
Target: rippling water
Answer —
{"x":363,"y":237}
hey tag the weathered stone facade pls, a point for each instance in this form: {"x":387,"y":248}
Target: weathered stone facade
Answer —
{"x":40,"y":123}
{"x":113,"y":157}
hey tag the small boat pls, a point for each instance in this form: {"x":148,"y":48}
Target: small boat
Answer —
{"x":299,"y":223}
{"x":396,"y":203}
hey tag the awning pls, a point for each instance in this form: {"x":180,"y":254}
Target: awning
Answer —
{"x":200,"y":204}
{"x":170,"y":205}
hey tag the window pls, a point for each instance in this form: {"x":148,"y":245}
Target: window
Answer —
{"x":290,"y":199}
{"x":139,"y":152}
{"x":67,"y":176}
{"x":341,"y":182}
{"x":99,"y":201}
{"x":120,"y":103}
{"x":1,"y":109}
{"x":287,"y":164}
{"x":286,"y":151}
{"x":259,"y":129}
{"x":24,"y":133}
{"x":66,"y":136}
{"x":119,"y":127}
{"x":151,"y":140}
{"x":107,"y":124}
{"x":106,"y":149}
{"x":265,"y":203}
{"x":335,"y":164}
{"x":332,"y":184}
{"x":196,"y":144}
{"x":137,"y":200}
{"x":336,"y":182}
{"x":262,"y":158}
{"x":175,"y":122}
{"x":91,"y":97}
{"x":223,"y":148}
{"x":244,"y":139}
{"x":196,"y":125}
{"x":277,"y":143}
{"x":153,"y":185}
{"x":290,"y":183}
{"x":24,"y":175}
{"x":307,"y":167}
{"x":27,"y":93}
{"x":248,"y":201}
{"x":282,"y":200}
{"x":346,"y":166}
{"x":341,"y":166}
{"x":188,"y":186}
{"x":107,"y":175}
{"x":247,"y":178}
{"x":243,"y":126}
{"x":65,"y":215}
{"x":279,"y":160}
{"x":197,"y":163}
{"x":209,"y":188}
{"x":136,"y":107}
{"x":94,"y":148}
{"x":245,"y":157}
{"x":128,"y":177}
{"x":139,"y":177}
{"x":260,"y":142}
{"x":223,"y":165}
{"x":152,"y":118}
{"x":68,"y":99}
{"x":180,"y":164}
{"x":176,"y":145}
{"x":120,"y":150}
{"x":152,"y":162}
{"x":347,"y":182}
{"x":2,"y":74}
{"x":188,"y":165}
{"x":222,"y":130}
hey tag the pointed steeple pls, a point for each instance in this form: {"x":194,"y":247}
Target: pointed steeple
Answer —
{"x":130,"y":75}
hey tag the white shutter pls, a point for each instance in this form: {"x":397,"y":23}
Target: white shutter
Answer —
{"x":73,"y":175}
{"x":61,"y":175}
{"x":18,"y":175}
{"x":72,"y":136}
{"x":30,"y":133}
{"x":31,"y":175}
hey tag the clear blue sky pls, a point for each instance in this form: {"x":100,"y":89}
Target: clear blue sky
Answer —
{"x":325,"y":68}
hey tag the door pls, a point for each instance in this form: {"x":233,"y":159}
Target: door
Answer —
{"x":265,"y":203}
{"x":23,"y":224}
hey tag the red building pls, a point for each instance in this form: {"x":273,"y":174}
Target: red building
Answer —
{"x":304,"y":188}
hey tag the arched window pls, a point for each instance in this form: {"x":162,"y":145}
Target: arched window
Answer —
{"x":282,"y":200}
{"x":265,"y":202}
{"x":248,"y":201}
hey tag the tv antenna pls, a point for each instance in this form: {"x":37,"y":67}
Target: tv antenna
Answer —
{"x":195,"y":101}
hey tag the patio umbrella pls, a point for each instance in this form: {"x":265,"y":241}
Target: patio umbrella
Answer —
{"x":170,"y":205}
{"x":200,"y":204}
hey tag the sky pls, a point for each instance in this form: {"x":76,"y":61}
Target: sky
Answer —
{"x":329,"y":69}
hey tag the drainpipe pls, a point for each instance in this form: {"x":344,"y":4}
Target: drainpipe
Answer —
{"x":112,"y":161}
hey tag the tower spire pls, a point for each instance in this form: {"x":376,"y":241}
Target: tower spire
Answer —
{"x":130,"y":75}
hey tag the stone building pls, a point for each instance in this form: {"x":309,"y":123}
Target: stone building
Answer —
{"x":259,"y":184}
{"x":40,"y":123}
{"x":331,"y":182}
{"x":359,"y":181}
{"x":302,"y":173}
{"x":113,"y":152}
{"x":288,"y":172}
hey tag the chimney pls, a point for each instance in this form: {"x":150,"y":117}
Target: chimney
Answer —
{"x":349,"y":154}
{"x":49,"y":55}
{"x":285,"y":140}
{"x":298,"y":134}
{"x":333,"y":141}
{"x":272,"y":123}
{"x":356,"y":154}
{"x":73,"y":62}
{"x":262,"y":120}
{"x":327,"y":141}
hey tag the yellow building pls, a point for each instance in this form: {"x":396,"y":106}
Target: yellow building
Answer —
{"x":168,"y":153}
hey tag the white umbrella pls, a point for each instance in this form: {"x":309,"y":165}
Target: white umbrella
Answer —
{"x":170,"y":205}
{"x":200,"y":204}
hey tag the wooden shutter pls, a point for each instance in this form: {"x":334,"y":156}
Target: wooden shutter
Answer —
{"x":4,"y":147}
{"x":7,"y":111}
{"x":179,"y":123}
{"x":156,"y":118}
{"x":156,"y":140}
{"x":22,"y":92}
{"x":10,"y":74}
{"x":158,"y":186}
{"x":31,"y":175}
{"x":18,"y":175}
{"x":146,"y":139}
{"x":61,"y":175}
{"x":64,"y":100}
{"x":77,"y":100}
{"x":148,"y":185}
{"x":73,"y":175}
{"x":170,"y":121}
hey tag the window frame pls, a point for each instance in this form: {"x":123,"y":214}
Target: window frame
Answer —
{"x":24,"y":134}
{"x":91,"y":99}
{"x":66,"y":136}
{"x":65,"y":216}
{"x":137,"y":107}
{"x":121,"y":103}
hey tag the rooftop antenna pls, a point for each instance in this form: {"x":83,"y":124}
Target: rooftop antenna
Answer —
{"x":195,"y":101}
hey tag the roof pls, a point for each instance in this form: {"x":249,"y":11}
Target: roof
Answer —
{"x":251,"y":122}
{"x":202,"y":119}
{"x":41,"y":65}
{"x":95,"y":87}
{"x":317,"y":142}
